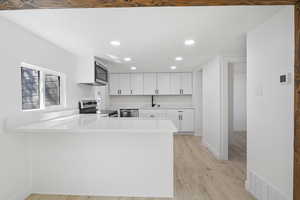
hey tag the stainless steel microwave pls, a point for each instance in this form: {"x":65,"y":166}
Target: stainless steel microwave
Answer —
{"x":101,"y":74}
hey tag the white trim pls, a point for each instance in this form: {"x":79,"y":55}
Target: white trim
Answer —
{"x":44,"y":71}
{"x":211,"y":148}
{"x":224,"y":109}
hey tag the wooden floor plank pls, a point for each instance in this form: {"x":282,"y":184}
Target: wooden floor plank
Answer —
{"x":197,"y":174}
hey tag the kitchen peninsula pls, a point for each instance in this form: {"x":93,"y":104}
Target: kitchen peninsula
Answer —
{"x":92,"y":155}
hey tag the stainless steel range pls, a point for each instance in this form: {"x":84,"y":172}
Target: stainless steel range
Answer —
{"x":129,"y":112}
{"x":90,"y":107}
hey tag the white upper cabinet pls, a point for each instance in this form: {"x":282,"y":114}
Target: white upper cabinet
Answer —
{"x":124,"y":84}
{"x":119,"y":84}
{"x":181,"y":83}
{"x":150,"y":84}
{"x":186,"y":83}
{"x":114,"y":84}
{"x":175,"y":83}
{"x":137,"y":84}
{"x":163,"y":84}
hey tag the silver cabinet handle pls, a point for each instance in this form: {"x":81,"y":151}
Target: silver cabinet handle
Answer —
{"x":120,"y":91}
{"x":130,"y":91}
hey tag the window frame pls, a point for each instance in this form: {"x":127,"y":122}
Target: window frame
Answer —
{"x":43,"y":71}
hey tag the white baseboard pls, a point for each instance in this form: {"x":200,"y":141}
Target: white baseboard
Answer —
{"x":20,"y":196}
{"x":211,"y":149}
{"x":198,"y":132}
{"x":261,"y":189}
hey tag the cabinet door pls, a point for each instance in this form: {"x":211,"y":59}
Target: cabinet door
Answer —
{"x":163,"y":83}
{"x":175,"y":83}
{"x":114,"y":84}
{"x":186,"y":83}
{"x":173,"y":115}
{"x":150,"y":83}
{"x":124,"y":81}
{"x":187,"y":120}
{"x":136,"y":83}
{"x":143,"y":114}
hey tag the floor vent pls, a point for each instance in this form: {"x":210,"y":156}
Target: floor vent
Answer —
{"x":261,"y":189}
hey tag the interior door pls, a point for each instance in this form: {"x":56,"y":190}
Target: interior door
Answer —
{"x":114,"y":84}
{"x":186,"y":83}
{"x":175,"y":83}
{"x":136,"y":84}
{"x":163,"y":83}
{"x":150,"y":83}
{"x":124,"y":81}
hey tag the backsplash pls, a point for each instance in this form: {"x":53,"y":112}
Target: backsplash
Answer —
{"x":146,"y":100}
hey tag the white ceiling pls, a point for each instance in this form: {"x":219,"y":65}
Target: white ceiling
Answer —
{"x":152,"y":37}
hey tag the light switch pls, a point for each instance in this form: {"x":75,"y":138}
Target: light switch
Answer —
{"x":259,"y":92}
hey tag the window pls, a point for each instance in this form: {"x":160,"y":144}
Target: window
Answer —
{"x":30,"y":89}
{"x":41,"y":88}
{"x":52,"y":90}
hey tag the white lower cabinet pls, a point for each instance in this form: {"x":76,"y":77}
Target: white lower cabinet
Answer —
{"x":152,"y":114}
{"x":183,"y":119}
{"x":187,"y":120}
{"x":174,"y":116}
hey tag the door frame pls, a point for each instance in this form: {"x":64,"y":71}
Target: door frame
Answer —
{"x":42,"y":4}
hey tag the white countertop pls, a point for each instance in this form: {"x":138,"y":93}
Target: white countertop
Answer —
{"x":98,"y":124}
{"x":148,"y":107}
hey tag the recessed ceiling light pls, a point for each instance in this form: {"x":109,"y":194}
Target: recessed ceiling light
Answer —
{"x":133,"y":68}
{"x":173,"y":67}
{"x":179,"y":58}
{"x":189,"y":42}
{"x":115,"y":43}
{"x":127,"y":59}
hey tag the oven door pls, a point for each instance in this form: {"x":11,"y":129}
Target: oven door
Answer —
{"x":129,"y":112}
{"x":101,"y":74}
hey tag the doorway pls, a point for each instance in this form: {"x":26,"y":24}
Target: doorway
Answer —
{"x":237,"y":136}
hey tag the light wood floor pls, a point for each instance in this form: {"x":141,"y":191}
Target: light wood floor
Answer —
{"x":238,"y":149}
{"x":198,"y":176}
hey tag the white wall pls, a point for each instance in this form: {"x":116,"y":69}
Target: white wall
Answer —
{"x":18,"y":45}
{"x":270,"y":49}
{"x":211,"y":73}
